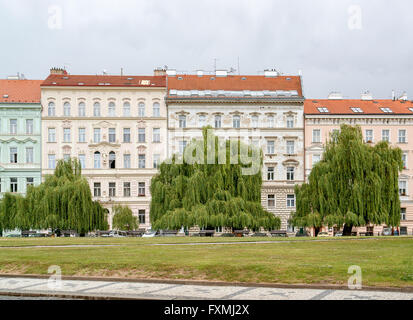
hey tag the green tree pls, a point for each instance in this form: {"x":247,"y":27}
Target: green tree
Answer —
{"x":209,"y":194}
{"x":62,"y":201}
{"x":355,"y":184}
{"x":124,"y":219}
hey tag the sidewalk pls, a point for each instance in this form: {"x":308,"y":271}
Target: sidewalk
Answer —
{"x":90,"y":289}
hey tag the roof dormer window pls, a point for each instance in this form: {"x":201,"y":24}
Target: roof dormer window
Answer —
{"x":323,"y":110}
{"x":357,"y":110}
{"x":386,"y":110}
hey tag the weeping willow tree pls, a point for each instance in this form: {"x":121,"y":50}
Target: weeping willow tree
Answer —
{"x":62,"y":201}
{"x":205,"y":188}
{"x":124,"y":219}
{"x":355,"y":184}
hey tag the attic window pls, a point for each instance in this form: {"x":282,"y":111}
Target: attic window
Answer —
{"x":357,"y":110}
{"x":386,"y":110}
{"x":212,"y":78}
{"x":323,"y":109}
{"x":180,"y":78}
{"x":288,"y":78}
{"x":129,"y":78}
{"x":243,"y":78}
{"x":101,"y":84}
{"x":411,"y":109}
{"x":65,"y":77}
{"x":80,"y":83}
{"x":54,"y":83}
{"x":5,"y":96}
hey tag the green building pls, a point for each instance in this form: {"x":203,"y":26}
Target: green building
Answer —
{"x":20,"y":135}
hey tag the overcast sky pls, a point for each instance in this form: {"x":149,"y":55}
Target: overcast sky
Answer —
{"x":340,"y":45}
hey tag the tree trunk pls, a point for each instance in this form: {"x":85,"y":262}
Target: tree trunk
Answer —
{"x":316,"y":231}
{"x":347,"y":230}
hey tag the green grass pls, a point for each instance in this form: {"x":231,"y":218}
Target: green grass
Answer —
{"x":384,"y":262}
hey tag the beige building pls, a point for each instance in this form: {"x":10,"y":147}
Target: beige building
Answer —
{"x":115,"y":125}
{"x":265,"y":110}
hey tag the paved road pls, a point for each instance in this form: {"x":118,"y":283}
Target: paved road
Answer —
{"x":140,"y":290}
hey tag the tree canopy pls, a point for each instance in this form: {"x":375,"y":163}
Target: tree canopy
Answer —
{"x":124,"y":219}
{"x":209,"y":192}
{"x":62,"y":201}
{"x":354,"y":184}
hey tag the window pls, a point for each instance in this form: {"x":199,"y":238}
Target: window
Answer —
{"x":357,"y":110}
{"x":270,"y":173}
{"x":403,"y":214}
{"x":156,"y":135}
{"x":141,"y":109}
{"x":334,"y":135}
{"x":156,"y":161}
{"x":82,"y":109}
{"x":402,"y":136}
{"x":270,"y":121}
{"x":290,"y":147}
{"x":13,"y":184}
{"x":51,"y":161}
{"x":66,"y":157}
{"x":141,"y":135}
{"x":386,"y":110}
{"x":126,"y":109}
{"x":290,"y":200}
{"x":13,"y":126}
{"x":254,"y":121}
{"x":29,"y":155}
{"x":112,"y":160}
{"x":323,"y":110}
{"x":217,"y":121}
{"x":316,"y":159}
{"x":96,"y":160}
{"x":271,"y":147}
{"x":182,"y":146}
{"x":112,"y":189}
{"x":51,"y":135}
{"x":96,"y":189}
{"x":156,"y":109}
{"x":126,"y":189}
{"x":141,"y":216}
{"x":66,"y":109}
{"x":29,"y":126}
{"x":141,"y":163}
{"x":141,"y":189}
{"x":82,"y":159}
{"x":290,"y":173}
{"x":369,"y":136}
{"x":402,"y":188}
{"x":385,"y":135}
{"x":202,"y":120}
{"x":51,"y":111}
{"x":126,"y":161}
{"x":236,"y":122}
{"x":96,"y":135}
{"x":126,"y":135}
{"x":316,"y":135}
{"x":112,"y":135}
{"x":96,"y":109}
{"x":290,"y":122}
{"x":82,"y":135}
{"x":13,"y":155}
{"x":111,"y":109}
{"x":66,"y":135}
{"x":29,"y":182}
{"x":182,"y":121}
{"x":404,"y":159}
{"x":271,"y":200}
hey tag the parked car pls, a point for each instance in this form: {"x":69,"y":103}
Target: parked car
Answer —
{"x":323,"y":234}
{"x":339,"y":234}
{"x":149,"y":234}
{"x":302,"y":233}
{"x":386,"y":232}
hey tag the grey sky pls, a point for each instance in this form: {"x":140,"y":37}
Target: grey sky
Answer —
{"x":289,"y":35}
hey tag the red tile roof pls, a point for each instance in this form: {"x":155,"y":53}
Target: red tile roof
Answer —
{"x":68,"y":80}
{"x":367,"y":106}
{"x":235,"y":83}
{"x":20,"y":91}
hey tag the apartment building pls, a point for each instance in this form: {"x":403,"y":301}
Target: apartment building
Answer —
{"x":115,"y":125}
{"x":264,"y":110}
{"x":20,"y":139}
{"x":389,"y":120}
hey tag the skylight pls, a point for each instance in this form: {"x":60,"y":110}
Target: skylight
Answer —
{"x":357,"y":110}
{"x":411,"y":109}
{"x":386,"y":110}
{"x":323,"y":109}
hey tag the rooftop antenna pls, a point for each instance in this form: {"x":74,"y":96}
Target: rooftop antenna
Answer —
{"x":215,"y":64}
{"x":121,"y":72}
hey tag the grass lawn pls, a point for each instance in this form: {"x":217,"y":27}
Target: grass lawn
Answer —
{"x":384,"y":262}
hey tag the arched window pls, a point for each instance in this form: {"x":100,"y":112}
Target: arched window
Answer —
{"x":156,"y":109}
{"x":112,"y":160}
{"x":97,"y":160}
{"x":51,"y":110}
{"x":141,"y":109}
{"x":66,"y":109}
{"x":126,"y":109}
{"x":112,"y":109}
{"x":96,"y":109}
{"x":82,"y":109}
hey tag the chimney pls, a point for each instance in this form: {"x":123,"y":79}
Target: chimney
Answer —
{"x":366,"y":96}
{"x":60,"y":71}
{"x":159,"y":72}
{"x":221,"y":73}
{"x":270,"y":73}
{"x":335,"y":96}
{"x":393,"y":95}
{"x":403,"y":97}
